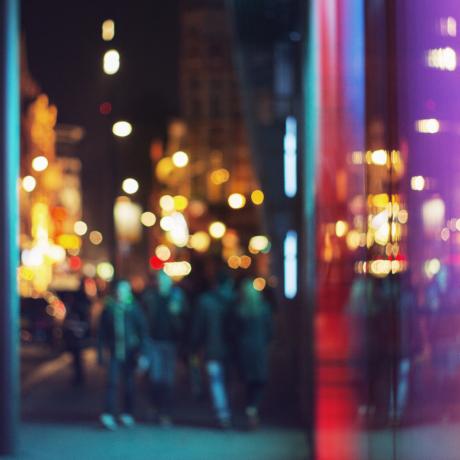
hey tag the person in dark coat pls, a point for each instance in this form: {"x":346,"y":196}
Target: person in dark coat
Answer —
{"x":252,"y":328}
{"x":210,"y":335}
{"x":165,"y":305}
{"x":122,"y":333}
{"x":76,"y":329}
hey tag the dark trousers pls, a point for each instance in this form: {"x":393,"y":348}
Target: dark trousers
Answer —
{"x":254,"y":393}
{"x":117,"y":371}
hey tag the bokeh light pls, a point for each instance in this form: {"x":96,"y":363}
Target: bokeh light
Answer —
{"x":122,"y":128}
{"x":96,"y":237}
{"x":258,"y":244}
{"x":236,"y":201}
{"x":217,"y":229}
{"x":108,"y":30}
{"x":180,"y":159}
{"x":163,"y":252}
{"x":111,"y":62}
{"x":180,"y":202}
{"x":166,"y":223}
{"x":40,"y":163}
{"x":167,"y":203}
{"x":200,"y":241}
{"x":29,"y":183}
{"x":130,"y":186}
{"x":245,"y":262}
{"x":105,"y":271}
{"x":257,"y":197}
{"x":148,"y":219}
{"x":220,"y":176}
{"x":233,"y":262}
{"x":80,"y":228}
{"x":259,"y":284}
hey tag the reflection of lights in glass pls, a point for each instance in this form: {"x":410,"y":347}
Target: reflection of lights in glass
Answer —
{"x":200,"y":241}
{"x":29,"y":183}
{"x":380,"y":219}
{"x":95,"y":237}
{"x":217,"y":229}
{"x":245,"y":262}
{"x":380,"y":200}
{"x":417,"y":183}
{"x":442,"y":59}
{"x":180,"y":203}
{"x":105,"y":271}
{"x":445,"y":234}
{"x":457,"y":225}
{"x":111,"y":62}
{"x":341,"y":228}
{"x":382,"y":234}
{"x":236,"y":201}
{"x":220,"y":176}
{"x":403,"y":216}
{"x":258,"y":243}
{"x":148,"y":219}
{"x":449,"y":26}
{"x":130,"y":186}
{"x":290,"y":157}
{"x":290,"y":264}
{"x":163,"y":252}
{"x":257,"y":197}
{"x":122,"y":128}
{"x":233,"y":262}
{"x":357,"y":158}
{"x":432,"y":267}
{"x":259,"y":284}
{"x":177,"y":269}
{"x":180,"y":159}
{"x":167,"y":203}
{"x":427,"y":126}
{"x":40,"y":163}
{"x":108,"y":30}
{"x":80,"y":228}
{"x":379,"y":157}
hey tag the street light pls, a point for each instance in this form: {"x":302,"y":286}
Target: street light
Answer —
{"x":122,"y":128}
{"x":111,"y":62}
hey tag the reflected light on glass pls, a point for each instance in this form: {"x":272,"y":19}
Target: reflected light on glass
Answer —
{"x":442,"y":59}
{"x":290,"y":157}
{"x":40,"y":163}
{"x":236,"y":201}
{"x":432,"y":267}
{"x":379,"y":157}
{"x":108,"y":30}
{"x":427,"y":126}
{"x":130,"y":186}
{"x":80,"y":228}
{"x":29,"y":183}
{"x":180,"y":159}
{"x":148,"y":219}
{"x":122,"y":128}
{"x":417,"y":183}
{"x":111,"y":62}
{"x":341,"y":228}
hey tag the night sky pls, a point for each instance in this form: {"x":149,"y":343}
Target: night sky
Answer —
{"x":65,"y":49}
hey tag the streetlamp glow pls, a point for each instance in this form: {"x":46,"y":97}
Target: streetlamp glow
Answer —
{"x":40,"y":163}
{"x":111,"y":62}
{"x":130,"y":186}
{"x":122,"y":128}
{"x":180,"y":159}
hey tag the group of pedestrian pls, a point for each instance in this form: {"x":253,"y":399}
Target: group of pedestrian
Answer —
{"x":225,"y":329}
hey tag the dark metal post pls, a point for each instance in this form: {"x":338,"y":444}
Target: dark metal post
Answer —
{"x":9,"y":218}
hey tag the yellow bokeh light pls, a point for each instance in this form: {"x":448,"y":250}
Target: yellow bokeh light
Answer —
{"x":200,"y":241}
{"x":111,"y":62}
{"x":417,"y":183}
{"x":163,"y":252}
{"x":236,"y":201}
{"x":69,"y":241}
{"x":341,"y":228}
{"x":148,"y":219}
{"x":220,"y":176}
{"x":177,"y":269}
{"x":167,"y":203}
{"x":245,"y":262}
{"x":130,"y":186}
{"x":379,"y":157}
{"x":80,"y":228}
{"x":164,"y":168}
{"x":427,"y":126}
{"x":259,"y":284}
{"x":40,"y":163}
{"x":29,"y":183}
{"x":105,"y":271}
{"x":122,"y":128}
{"x":96,"y":237}
{"x":180,"y":202}
{"x":257,"y":197}
{"x":217,"y":229}
{"x":108,"y":30}
{"x":258,"y":243}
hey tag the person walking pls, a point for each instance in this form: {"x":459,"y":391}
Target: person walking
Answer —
{"x":210,"y":334}
{"x":122,"y":334}
{"x":252,"y":329}
{"x":165,"y":306}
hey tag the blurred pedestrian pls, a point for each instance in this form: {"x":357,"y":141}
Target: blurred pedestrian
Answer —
{"x":210,"y":334}
{"x":76,"y":329}
{"x":122,"y":333}
{"x":252,"y":328}
{"x":165,"y":306}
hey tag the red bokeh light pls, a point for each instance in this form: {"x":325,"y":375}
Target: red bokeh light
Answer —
{"x":105,"y":108}
{"x":156,"y":263}
{"x":75,"y":263}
